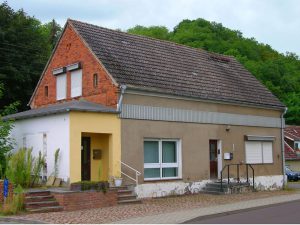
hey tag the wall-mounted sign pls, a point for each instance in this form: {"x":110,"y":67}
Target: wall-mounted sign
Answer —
{"x":97,"y":153}
{"x":228,"y":155}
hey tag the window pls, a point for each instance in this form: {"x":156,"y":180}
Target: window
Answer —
{"x":259,"y":152}
{"x":61,"y":86}
{"x":162,"y":159}
{"x":76,"y":83}
{"x":46,"y":91}
{"x":297,"y":145}
{"x":95,"y":80}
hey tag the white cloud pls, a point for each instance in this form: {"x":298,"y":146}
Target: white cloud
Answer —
{"x":274,"y":22}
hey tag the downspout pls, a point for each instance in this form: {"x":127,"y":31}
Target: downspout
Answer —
{"x":282,"y":145}
{"x":122,"y":91}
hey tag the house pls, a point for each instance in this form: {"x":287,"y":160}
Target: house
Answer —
{"x":292,"y":147}
{"x":166,"y":116}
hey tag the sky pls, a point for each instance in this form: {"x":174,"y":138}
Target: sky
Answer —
{"x":273,"y":22}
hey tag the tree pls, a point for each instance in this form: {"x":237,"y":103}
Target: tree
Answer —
{"x":25,"y":45}
{"x":6,"y":142}
{"x":158,"y":32}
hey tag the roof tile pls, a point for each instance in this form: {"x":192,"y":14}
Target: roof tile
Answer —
{"x":174,"y":69}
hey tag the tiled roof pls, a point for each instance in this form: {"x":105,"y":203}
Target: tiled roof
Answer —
{"x":175,"y":69}
{"x":75,"y":105}
{"x":292,"y":132}
{"x":289,"y":152}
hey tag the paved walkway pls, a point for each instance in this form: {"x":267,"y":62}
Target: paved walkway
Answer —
{"x":8,"y":220}
{"x":182,"y":216}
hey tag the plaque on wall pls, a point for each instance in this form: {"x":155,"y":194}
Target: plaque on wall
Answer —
{"x":97,"y":153}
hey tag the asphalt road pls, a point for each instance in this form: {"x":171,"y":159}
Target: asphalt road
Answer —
{"x":280,"y":213}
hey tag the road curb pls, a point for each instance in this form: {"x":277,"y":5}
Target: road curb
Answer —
{"x":235,"y":212}
{"x":190,"y":214}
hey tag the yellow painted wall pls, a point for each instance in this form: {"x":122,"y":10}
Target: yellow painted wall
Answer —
{"x":101,"y":123}
{"x":99,"y":141}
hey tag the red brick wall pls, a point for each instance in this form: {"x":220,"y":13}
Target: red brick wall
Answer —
{"x":85,"y":200}
{"x":70,"y":50}
{"x":10,"y":190}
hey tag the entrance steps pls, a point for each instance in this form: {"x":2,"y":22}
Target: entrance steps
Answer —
{"x":126,"y":195}
{"x":41,"y":201}
{"x":232,"y":188}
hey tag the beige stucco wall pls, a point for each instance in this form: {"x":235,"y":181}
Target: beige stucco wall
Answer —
{"x":195,"y":137}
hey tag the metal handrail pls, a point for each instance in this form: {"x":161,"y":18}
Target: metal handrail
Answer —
{"x":238,"y":173}
{"x":137,"y":173}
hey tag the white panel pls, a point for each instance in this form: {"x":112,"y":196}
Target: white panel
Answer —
{"x":61,"y":87}
{"x":76,"y":83}
{"x":35,"y":141}
{"x":267,"y":152}
{"x":183,"y":115}
{"x":253,"y":152}
{"x":57,"y":129}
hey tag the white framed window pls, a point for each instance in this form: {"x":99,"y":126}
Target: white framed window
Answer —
{"x":297,"y":145}
{"x":61,"y":86}
{"x":259,"y":152}
{"x":162,"y":159}
{"x":76,"y":83}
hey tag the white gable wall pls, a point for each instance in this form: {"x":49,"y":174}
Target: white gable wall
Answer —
{"x":46,"y":134}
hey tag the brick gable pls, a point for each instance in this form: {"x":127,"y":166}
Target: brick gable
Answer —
{"x":71,"y":49}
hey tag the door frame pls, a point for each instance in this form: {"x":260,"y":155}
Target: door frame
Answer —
{"x":214,"y":175}
{"x":220,"y":158}
{"x":89,"y":156}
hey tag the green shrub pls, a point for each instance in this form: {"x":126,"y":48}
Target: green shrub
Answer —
{"x":23,"y":168}
{"x":14,"y":204}
{"x":90,"y":185}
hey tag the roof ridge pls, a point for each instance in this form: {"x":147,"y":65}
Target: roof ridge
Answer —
{"x":152,"y":38}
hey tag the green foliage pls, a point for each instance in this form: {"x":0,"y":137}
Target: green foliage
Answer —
{"x":6,"y":142}
{"x":90,"y":185}
{"x":14,"y":204}
{"x":278,"y":72}
{"x":25,"y":45}
{"x":158,"y":32}
{"x":23,"y":168}
{"x":39,"y":164}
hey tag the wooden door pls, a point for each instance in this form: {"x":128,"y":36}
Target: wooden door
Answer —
{"x":85,"y":158}
{"x":213,"y":158}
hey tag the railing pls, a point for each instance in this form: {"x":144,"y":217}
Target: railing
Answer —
{"x":137,"y":173}
{"x":237,"y":173}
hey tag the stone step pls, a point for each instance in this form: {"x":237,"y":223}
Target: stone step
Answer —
{"x":35,"y":205}
{"x":216,"y":189}
{"x":39,"y":198}
{"x":124,"y":192}
{"x":46,"y":209}
{"x":130,"y":201}
{"x":119,"y":188}
{"x":37,"y":193}
{"x":127,"y":197}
